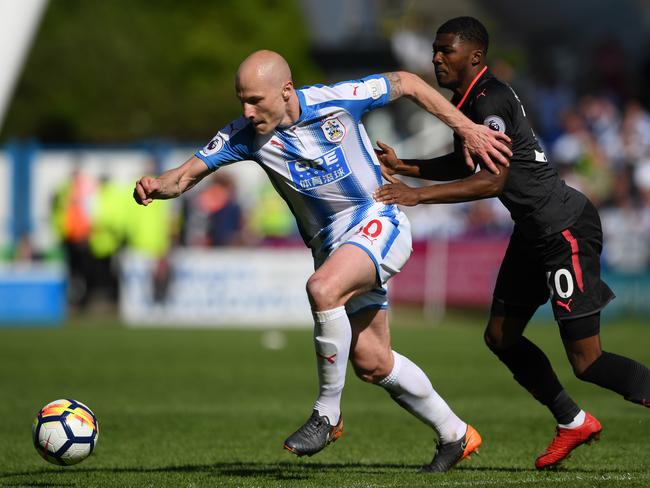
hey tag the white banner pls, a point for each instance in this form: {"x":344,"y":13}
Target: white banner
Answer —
{"x":223,"y":287}
{"x":18,"y":22}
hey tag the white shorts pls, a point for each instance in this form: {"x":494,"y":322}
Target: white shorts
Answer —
{"x":387,"y":241}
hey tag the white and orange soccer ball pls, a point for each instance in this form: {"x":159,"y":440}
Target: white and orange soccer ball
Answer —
{"x":65,"y":432}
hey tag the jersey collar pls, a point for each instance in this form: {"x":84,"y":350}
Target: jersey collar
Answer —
{"x":471,"y":85}
{"x":303,"y":106}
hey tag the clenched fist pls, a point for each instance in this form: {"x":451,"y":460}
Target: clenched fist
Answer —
{"x":146,"y":190}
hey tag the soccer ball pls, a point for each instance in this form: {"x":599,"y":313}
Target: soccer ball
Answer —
{"x":65,"y":432}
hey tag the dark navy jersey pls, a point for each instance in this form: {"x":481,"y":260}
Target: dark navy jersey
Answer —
{"x":538,"y":200}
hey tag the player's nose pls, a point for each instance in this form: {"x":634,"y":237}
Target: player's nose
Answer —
{"x":249,"y":111}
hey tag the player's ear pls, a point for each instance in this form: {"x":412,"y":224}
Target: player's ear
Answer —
{"x":477,"y":56}
{"x":286,"y":90}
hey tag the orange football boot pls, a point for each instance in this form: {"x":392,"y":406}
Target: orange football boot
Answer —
{"x":450,"y":454}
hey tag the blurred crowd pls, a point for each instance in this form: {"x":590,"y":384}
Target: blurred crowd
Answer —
{"x":598,"y":144}
{"x":94,"y":219}
{"x":604,"y":150}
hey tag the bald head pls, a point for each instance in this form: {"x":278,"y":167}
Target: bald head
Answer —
{"x":263,"y":68}
{"x":265,"y":88}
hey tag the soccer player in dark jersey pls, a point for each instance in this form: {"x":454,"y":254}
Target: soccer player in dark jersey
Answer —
{"x":554,"y":249}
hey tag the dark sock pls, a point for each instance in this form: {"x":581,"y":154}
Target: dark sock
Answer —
{"x":622,"y":375}
{"x":532,"y":370}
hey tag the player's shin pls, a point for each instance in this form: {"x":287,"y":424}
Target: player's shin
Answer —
{"x":621,"y":375}
{"x":332,"y":338}
{"x":409,"y":386}
{"x":532,"y":370}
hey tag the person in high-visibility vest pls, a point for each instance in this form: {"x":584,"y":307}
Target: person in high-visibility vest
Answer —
{"x":150,"y":232}
{"x":107,"y":235}
{"x":71,"y":223}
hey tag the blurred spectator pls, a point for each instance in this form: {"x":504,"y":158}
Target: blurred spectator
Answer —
{"x":579,"y":151}
{"x":270,"y":218}
{"x":213,"y":217}
{"x":485,"y":219}
{"x":107,"y":235}
{"x":71,"y":216}
{"x":626,"y":247}
{"x":603,"y":120}
{"x":150,"y":232}
{"x":225,"y":220}
{"x":635,"y":133}
{"x":551,"y":99}
{"x":642,"y":182}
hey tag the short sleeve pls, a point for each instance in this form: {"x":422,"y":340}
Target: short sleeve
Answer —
{"x":356,"y":96}
{"x":376,"y":91}
{"x":229,"y":145}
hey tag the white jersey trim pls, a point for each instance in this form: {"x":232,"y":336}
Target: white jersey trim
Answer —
{"x":360,"y":90}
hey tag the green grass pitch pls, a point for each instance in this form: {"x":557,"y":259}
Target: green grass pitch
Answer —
{"x":189,"y":408}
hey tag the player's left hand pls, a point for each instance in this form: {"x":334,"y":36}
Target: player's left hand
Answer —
{"x":396,"y":192}
{"x":487,"y":144}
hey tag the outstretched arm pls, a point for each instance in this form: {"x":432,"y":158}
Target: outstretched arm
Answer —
{"x":444,"y":168}
{"x":171,"y":183}
{"x":475,"y":187}
{"x":478,"y":140}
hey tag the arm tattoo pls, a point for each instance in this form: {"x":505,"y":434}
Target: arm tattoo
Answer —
{"x":395,"y":85}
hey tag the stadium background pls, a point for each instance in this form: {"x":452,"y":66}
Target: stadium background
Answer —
{"x":104,"y":92}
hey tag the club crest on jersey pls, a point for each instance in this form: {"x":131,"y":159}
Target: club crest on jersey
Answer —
{"x":333,"y":129}
{"x":495,"y":122}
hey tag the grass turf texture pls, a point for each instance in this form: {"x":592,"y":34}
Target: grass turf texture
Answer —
{"x":189,"y":408}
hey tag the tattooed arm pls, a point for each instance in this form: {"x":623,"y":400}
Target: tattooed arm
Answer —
{"x":415,"y":88}
{"x":478,"y":140}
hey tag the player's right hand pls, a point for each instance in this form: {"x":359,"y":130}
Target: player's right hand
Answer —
{"x":492,"y":147}
{"x":389,"y":161}
{"x":146,"y":189}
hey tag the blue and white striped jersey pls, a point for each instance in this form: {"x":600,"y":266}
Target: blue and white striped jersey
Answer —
{"x":324,"y":165}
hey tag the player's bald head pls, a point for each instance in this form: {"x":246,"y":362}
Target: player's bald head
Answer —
{"x":263,"y":69}
{"x":265,"y":89}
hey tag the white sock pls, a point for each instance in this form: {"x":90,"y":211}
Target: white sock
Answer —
{"x":412,"y":390}
{"x":578,"y":420}
{"x":332,"y":338}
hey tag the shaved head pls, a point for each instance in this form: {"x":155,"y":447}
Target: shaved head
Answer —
{"x":266,"y":68}
{"x":265,"y":89}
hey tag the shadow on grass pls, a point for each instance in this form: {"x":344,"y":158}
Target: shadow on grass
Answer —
{"x":283,"y":471}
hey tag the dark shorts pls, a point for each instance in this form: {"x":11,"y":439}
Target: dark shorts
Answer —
{"x":564,"y":267}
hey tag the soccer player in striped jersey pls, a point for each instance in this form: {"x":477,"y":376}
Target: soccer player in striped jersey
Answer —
{"x":313,"y":146}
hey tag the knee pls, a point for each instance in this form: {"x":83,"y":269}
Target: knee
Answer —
{"x":493,"y":340}
{"x":371,"y":368}
{"x":322,"y":292}
{"x":581,"y":363}
{"x":501,"y":333}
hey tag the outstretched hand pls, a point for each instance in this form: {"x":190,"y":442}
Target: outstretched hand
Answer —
{"x":489,"y":145}
{"x":388,"y":160}
{"x":396,"y":192}
{"x":146,"y":190}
